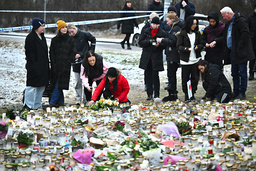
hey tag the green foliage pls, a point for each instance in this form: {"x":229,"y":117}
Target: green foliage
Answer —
{"x":24,"y":138}
{"x":76,"y":143}
{"x":184,"y":128}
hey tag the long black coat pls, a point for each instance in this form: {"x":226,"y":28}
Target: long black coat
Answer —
{"x":183,"y":44}
{"x":171,"y":51}
{"x":242,"y":50}
{"x":37,"y":65}
{"x":150,"y":51}
{"x":252,"y":27}
{"x":127,"y":25}
{"x":62,"y":54}
{"x":215,"y":81}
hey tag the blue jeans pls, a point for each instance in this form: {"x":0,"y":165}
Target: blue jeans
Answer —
{"x":239,"y":74}
{"x":57,"y":96}
{"x":33,"y":96}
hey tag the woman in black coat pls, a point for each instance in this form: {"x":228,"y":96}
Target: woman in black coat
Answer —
{"x":127,"y":25}
{"x":62,"y":54}
{"x":189,"y":45}
{"x":152,"y":56}
{"x":215,"y":83}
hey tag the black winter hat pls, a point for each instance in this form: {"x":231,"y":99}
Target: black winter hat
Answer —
{"x":172,"y":8}
{"x":111,"y":72}
{"x":155,"y":20}
{"x":37,"y":22}
{"x":254,"y":6}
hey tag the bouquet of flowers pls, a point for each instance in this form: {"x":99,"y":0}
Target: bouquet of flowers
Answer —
{"x":105,"y":104}
{"x":3,"y":128}
{"x":184,"y":128}
{"x":202,"y":126}
{"x":24,"y":139}
{"x":119,"y":126}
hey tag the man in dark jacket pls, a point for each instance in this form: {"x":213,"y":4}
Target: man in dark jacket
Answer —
{"x":215,"y":83}
{"x":185,"y":8}
{"x":82,"y":40}
{"x":236,"y":37}
{"x":152,"y":56}
{"x":155,"y":6}
{"x":252,"y":27}
{"x":37,"y":65}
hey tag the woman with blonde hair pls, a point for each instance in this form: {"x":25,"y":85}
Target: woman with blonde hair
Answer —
{"x":172,"y":55}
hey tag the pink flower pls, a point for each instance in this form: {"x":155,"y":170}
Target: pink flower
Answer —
{"x":204,"y":123}
{"x":3,"y":123}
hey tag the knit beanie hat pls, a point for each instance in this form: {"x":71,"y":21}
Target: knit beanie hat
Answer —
{"x":155,"y":20}
{"x":60,"y":24}
{"x":111,"y":72}
{"x":37,"y":22}
{"x":172,"y":8}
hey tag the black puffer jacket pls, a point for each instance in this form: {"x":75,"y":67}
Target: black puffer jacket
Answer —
{"x":242,"y":50}
{"x":252,"y":27}
{"x":62,"y":54}
{"x":215,"y":81}
{"x":82,"y":39}
{"x":37,"y":65}
{"x":151,"y":52}
{"x":171,"y":52}
{"x":155,"y":6}
{"x":127,"y":25}
{"x":183,"y":44}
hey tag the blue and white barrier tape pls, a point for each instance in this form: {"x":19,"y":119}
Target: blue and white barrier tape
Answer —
{"x":75,"y":23}
{"x":78,"y":12}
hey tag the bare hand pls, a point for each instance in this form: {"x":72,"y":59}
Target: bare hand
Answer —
{"x":207,"y":45}
{"x":189,"y":49}
{"x":159,"y":40}
{"x":213,"y":44}
{"x":90,"y":102}
{"x":208,"y":99}
{"x":184,"y":3}
{"x":77,"y":56}
{"x":156,"y":45}
{"x":196,"y":47}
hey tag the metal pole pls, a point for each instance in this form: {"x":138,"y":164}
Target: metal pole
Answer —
{"x":45,"y":10}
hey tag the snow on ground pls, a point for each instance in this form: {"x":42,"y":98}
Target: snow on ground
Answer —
{"x":13,"y":73}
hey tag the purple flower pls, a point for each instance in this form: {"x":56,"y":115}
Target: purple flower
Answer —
{"x":122,"y":123}
{"x":3,"y":123}
{"x":117,"y":122}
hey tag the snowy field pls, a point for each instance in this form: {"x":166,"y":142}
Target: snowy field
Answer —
{"x":13,"y":73}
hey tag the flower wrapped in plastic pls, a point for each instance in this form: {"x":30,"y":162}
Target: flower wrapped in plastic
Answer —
{"x":105,"y":104}
{"x":84,"y":156}
{"x":3,"y":128}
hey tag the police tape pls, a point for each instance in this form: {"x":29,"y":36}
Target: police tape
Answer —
{"x":78,"y":12}
{"x":75,"y":23}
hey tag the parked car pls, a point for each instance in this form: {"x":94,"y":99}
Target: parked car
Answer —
{"x":202,"y":19}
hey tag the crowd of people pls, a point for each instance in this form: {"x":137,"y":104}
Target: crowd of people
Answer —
{"x":178,"y":37}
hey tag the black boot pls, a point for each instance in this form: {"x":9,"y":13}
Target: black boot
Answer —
{"x":122,"y":44}
{"x":251,"y":76}
{"x":128,"y":46}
